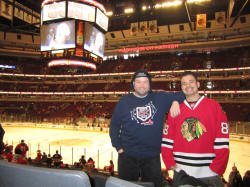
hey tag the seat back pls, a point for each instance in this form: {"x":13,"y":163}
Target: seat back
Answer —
{"x":115,"y":182}
{"x":29,"y":176}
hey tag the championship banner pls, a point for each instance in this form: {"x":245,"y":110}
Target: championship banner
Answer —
{"x":6,"y":10}
{"x":143,"y":26}
{"x":18,"y":13}
{"x":201,"y":20}
{"x":134,"y":27}
{"x":27,"y":17}
{"x":152,"y":26}
{"x":36,"y":20}
{"x":220,"y":18}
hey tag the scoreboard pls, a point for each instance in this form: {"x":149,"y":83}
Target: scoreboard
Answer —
{"x":73,"y":30}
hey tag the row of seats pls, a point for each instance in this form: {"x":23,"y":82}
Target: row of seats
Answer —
{"x":27,"y":176}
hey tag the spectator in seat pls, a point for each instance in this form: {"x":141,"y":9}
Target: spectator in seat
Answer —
{"x":82,"y":161}
{"x":44,"y":157}
{"x":57,"y":159}
{"x":38,"y":156}
{"x":19,"y":158}
{"x":110,"y":168}
{"x":49,"y":161}
{"x":246,"y":179}
{"x":235,"y":179}
{"x":91,"y":163}
{"x":23,"y":147}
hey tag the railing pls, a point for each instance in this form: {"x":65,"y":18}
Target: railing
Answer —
{"x":101,"y":152}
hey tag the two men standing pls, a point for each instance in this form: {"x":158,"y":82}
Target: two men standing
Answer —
{"x":195,"y":142}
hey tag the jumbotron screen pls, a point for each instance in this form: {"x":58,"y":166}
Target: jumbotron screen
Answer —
{"x":58,"y":36}
{"x":94,"y":40}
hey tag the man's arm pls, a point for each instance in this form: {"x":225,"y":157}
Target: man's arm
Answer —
{"x":168,"y":143}
{"x":175,"y":109}
{"x":177,"y":98}
{"x":221,"y":143}
{"x":115,"y":127}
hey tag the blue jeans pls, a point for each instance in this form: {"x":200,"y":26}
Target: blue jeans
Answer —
{"x":149,"y":169}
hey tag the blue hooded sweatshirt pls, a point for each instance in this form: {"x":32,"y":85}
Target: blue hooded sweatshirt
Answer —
{"x":137,"y":123}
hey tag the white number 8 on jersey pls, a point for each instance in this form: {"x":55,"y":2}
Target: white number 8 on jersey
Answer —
{"x":224,"y":128}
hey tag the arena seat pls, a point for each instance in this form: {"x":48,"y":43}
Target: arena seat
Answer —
{"x":29,"y":176}
{"x":100,"y":180}
{"x":145,"y":184}
{"x":115,"y":182}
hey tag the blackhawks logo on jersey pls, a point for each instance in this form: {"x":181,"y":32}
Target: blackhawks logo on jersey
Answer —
{"x":192,"y":128}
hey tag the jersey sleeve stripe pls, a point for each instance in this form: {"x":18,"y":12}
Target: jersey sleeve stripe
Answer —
{"x":168,"y":146}
{"x":221,"y":140}
{"x":221,"y":147}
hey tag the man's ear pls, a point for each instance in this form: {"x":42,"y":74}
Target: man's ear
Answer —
{"x":198,"y":84}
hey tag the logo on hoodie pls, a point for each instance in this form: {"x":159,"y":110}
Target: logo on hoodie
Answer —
{"x":144,"y":114}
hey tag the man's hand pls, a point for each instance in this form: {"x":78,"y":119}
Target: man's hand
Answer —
{"x":175,"y":168}
{"x":175,"y":109}
{"x":120,"y":151}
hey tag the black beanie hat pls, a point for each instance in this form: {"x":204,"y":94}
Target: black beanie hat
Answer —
{"x":141,"y":73}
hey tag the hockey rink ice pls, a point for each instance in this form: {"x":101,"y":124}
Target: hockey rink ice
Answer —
{"x":74,"y":143}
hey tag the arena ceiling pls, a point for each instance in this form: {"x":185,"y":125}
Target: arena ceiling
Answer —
{"x":184,"y":13}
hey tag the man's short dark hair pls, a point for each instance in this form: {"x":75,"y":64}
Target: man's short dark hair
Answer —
{"x":189,"y":73}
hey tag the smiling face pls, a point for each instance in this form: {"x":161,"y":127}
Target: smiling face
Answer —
{"x":190,"y":86}
{"x":141,"y":86}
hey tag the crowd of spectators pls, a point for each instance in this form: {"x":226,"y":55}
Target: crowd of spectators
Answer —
{"x":19,"y":156}
{"x":55,"y":161}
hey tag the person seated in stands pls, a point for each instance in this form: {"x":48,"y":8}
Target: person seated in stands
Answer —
{"x":57,"y":159}
{"x":19,"y":158}
{"x":166,"y":180}
{"x":235,"y":179}
{"x":8,"y":152}
{"x":23,"y":147}
{"x":44,"y":157}
{"x":29,"y":161}
{"x":2,"y":132}
{"x":91,"y":163}
{"x":246,"y":179}
{"x":75,"y":165}
{"x":82,"y":161}
{"x":49,"y":161}
{"x":66,"y":166}
{"x":38,"y":156}
{"x":110,"y":168}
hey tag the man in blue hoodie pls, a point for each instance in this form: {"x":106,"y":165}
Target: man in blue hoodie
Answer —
{"x":136,"y":129}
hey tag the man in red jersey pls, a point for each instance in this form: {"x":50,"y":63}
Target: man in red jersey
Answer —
{"x":23,"y":147}
{"x":195,"y":144}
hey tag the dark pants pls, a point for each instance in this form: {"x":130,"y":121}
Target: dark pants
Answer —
{"x":149,"y":169}
{"x":213,"y":181}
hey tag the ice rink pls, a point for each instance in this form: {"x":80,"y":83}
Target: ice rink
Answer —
{"x":73,"y":144}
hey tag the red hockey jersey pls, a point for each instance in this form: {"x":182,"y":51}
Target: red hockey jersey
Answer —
{"x":197,"y":140}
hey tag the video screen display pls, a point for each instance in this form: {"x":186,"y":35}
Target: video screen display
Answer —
{"x":58,"y":36}
{"x":54,"y":11}
{"x":81,"y":11}
{"x":94,"y":40}
{"x":102,"y":20}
